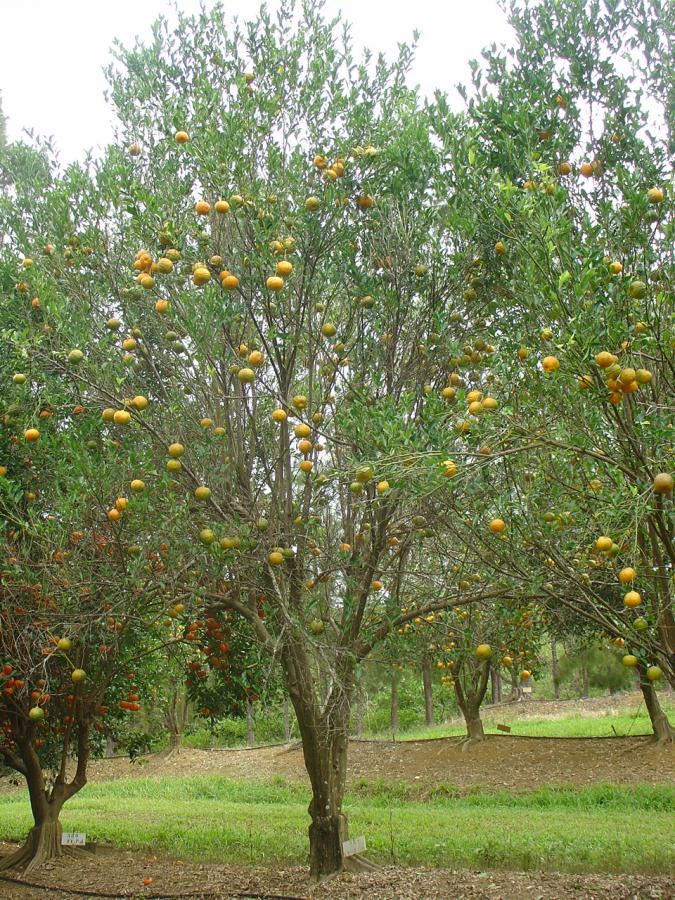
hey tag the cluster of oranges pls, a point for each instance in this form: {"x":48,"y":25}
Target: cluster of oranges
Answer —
{"x":619,"y":380}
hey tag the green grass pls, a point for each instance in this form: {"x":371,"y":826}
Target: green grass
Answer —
{"x":588,"y":725}
{"x":208,"y":818}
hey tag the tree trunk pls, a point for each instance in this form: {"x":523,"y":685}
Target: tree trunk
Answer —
{"x":474,"y":726}
{"x":469,"y":702}
{"x":173,"y":723}
{"x":516,"y":691}
{"x":250,"y":732}
{"x":324,"y":729}
{"x":495,"y":684}
{"x":394,"y":701}
{"x":42,"y":844}
{"x":359,"y":715}
{"x":110,"y":745}
{"x":44,"y":839}
{"x":324,"y":745}
{"x":287,"y":721}
{"x":428,"y":692}
{"x":663,"y":730}
{"x":555,"y":670}
{"x":586,"y":690}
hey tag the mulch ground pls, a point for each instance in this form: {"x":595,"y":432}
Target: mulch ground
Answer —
{"x":121,"y":874}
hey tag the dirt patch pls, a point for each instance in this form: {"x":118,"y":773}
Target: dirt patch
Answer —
{"x":116,"y":873}
{"x":500,"y":762}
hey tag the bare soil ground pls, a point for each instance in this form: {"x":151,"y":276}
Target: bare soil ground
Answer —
{"x":501,"y":762}
{"x":121,"y":874}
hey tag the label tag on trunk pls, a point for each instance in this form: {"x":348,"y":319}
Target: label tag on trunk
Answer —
{"x":356,"y":845}
{"x":73,"y":839}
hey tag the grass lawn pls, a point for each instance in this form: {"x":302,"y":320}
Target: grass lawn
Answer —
{"x":581,"y":725}
{"x":208,"y":818}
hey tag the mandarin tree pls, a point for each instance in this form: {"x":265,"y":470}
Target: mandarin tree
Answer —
{"x":77,"y":604}
{"x":254,"y":301}
{"x":570,"y":279}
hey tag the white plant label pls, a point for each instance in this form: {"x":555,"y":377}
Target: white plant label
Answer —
{"x":351,"y":848}
{"x":73,"y":839}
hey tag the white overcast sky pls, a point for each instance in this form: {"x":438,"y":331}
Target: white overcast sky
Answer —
{"x":52,"y":52}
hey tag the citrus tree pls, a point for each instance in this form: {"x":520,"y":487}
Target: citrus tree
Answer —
{"x":568,"y":275}
{"x":254,"y":303}
{"x":78,"y":605}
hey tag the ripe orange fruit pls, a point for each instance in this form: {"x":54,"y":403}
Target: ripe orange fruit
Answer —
{"x":632,"y":599}
{"x":627,"y":575}
{"x":306,"y":466}
{"x":302,"y":430}
{"x":483,"y":651}
{"x":201,"y":275}
{"x":279,"y":415}
{"x":275,"y":558}
{"x":255,"y":358}
{"x":114,"y":515}
{"x":564,"y":168}
{"x":365,"y":201}
{"x":663,"y":483}
{"x":140,"y":402}
{"x":376,"y":585}
{"x":448,"y":393}
{"x":202,"y":208}
{"x":221,"y":206}
{"x":162,"y":306}
{"x":175,"y":450}
{"x":31,"y":434}
{"x":274,"y":283}
{"x":655,"y":195}
{"x":230,"y":282}
{"x":490,"y":403}
{"x":182,"y":137}
{"x":121,"y":417}
{"x":284,"y":267}
{"x":550,"y":364}
{"x":497,"y":526}
{"x":605,"y":359}
{"x":500,"y":248}
{"x":603,"y":544}
{"x":137,"y":486}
